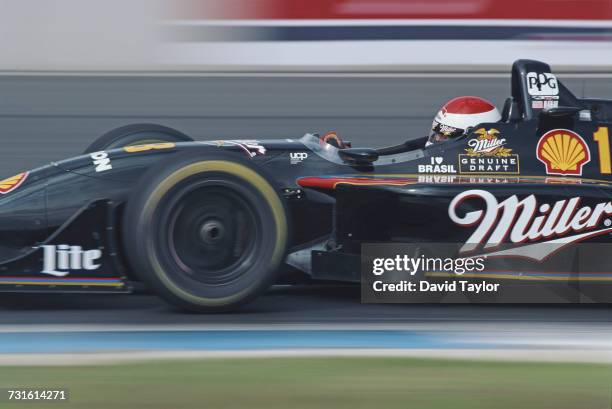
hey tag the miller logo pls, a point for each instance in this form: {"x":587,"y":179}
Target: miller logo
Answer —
{"x":12,"y":183}
{"x":487,"y":144}
{"x":564,"y":152}
{"x":518,"y":221}
{"x":487,"y":154}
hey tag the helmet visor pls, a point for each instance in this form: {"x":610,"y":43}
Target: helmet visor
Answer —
{"x":441,"y":133}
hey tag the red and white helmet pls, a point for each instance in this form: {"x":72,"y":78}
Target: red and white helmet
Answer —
{"x":459,"y":114}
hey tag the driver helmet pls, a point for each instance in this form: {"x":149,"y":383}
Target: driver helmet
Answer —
{"x":458,"y":115}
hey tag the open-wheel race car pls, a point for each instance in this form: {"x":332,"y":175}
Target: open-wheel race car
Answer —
{"x":208,"y":225}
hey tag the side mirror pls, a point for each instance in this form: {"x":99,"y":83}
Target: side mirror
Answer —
{"x":559,"y":112}
{"x":358,"y":156}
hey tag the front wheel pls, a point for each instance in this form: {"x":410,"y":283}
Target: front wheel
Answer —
{"x":206,"y":232}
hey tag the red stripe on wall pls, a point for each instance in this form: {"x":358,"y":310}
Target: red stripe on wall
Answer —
{"x":395,"y":9}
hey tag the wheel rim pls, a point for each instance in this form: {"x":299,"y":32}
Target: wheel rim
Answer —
{"x":212,"y":233}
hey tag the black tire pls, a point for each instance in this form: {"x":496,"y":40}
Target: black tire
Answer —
{"x":136,"y":134}
{"x":207,"y":232}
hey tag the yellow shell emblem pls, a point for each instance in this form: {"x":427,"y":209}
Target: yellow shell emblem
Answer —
{"x":564,"y":152}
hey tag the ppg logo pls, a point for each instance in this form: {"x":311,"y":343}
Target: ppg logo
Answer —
{"x":543,"y":83}
{"x":297,"y":157}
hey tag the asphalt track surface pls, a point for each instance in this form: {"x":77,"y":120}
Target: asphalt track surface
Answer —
{"x":46,"y":118}
{"x":282,"y":305}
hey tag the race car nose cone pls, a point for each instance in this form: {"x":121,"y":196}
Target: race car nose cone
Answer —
{"x":212,"y":232}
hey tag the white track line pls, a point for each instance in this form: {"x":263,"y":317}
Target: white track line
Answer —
{"x":515,"y":355}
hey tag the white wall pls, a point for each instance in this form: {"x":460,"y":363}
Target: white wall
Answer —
{"x":78,"y":34}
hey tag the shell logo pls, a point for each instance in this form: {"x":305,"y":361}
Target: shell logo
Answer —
{"x":12,"y":183}
{"x":564,"y":152}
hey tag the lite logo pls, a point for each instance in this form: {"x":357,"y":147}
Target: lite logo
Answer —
{"x":542,"y":84}
{"x":297,"y":157}
{"x":59,"y":260}
{"x":520,"y":221}
{"x":101,"y":161}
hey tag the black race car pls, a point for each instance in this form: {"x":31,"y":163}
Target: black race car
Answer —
{"x":208,"y":225}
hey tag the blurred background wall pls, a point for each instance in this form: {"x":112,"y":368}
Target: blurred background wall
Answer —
{"x":73,"y":35}
{"x":340,"y":35}
{"x":280,"y":35}
{"x":375,"y":71}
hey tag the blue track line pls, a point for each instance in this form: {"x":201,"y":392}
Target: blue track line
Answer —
{"x":67,"y":342}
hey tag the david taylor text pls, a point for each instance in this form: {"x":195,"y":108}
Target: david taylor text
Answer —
{"x":445,"y":287}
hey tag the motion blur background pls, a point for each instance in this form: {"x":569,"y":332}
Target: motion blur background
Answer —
{"x":374,"y":71}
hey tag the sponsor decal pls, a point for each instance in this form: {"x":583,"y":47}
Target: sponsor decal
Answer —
{"x":543,"y":89}
{"x":488,"y":143}
{"x":436,"y":165}
{"x":542,"y":84}
{"x":297,"y":157}
{"x":101,"y":161}
{"x":487,"y":154}
{"x":59,"y":260}
{"x":518,"y":221}
{"x":546,"y":103}
{"x":12,"y":183}
{"x":564,"y":152}
{"x":446,"y":130}
{"x":149,"y":147}
{"x":250,"y":147}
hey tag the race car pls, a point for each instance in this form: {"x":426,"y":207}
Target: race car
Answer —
{"x":208,"y":225}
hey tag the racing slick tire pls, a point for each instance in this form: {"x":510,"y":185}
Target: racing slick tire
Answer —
{"x":207,"y":232}
{"x":136,"y":134}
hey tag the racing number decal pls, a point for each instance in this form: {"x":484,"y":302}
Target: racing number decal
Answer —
{"x":602,"y":138}
{"x":148,"y":147}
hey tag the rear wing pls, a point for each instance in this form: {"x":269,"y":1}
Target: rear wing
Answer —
{"x":535,"y":87}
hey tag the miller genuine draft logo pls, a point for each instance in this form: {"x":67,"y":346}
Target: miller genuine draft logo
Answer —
{"x":488,"y":143}
{"x":12,"y":183}
{"x":487,"y":153}
{"x":564,"y":152}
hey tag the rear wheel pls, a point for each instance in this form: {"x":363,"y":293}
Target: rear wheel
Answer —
{"x":206,"y":232}
{"x":136,"y":134}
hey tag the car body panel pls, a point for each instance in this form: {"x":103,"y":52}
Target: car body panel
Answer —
{"x":405,"y":195}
